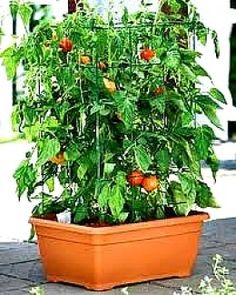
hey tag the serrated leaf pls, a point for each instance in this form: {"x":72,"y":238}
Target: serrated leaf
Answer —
{"x":205,"y":197}
{"x":104,"y":197}
{"x":47,"y":148}
{"x":14,"y":7}
{"x":25,"y":176}
{"x":116,"y":202}
{"x":211,"y":115}
{"x":72,"y":152}
{"x":181,"y":204}
{"x":142,"y":158}
{"x":172,"y":59}
{"x":203,"y":139}
{"x":188,"y":186}
{"x":50,"y":184}
{"x":214,"y":163}
{"x":215,"y":93}
{"x":159,"y":103}
{"x":163,"y":160}
{"x":216,"y":43}
{"x":81,"y":213}
{"x":25,"y":12}
{"x":82,"y":170}
{"x":187,"y":72}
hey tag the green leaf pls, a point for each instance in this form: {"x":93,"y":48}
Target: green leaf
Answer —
{"x":213,"y":162}
{"x":202,"y":34}
{"x":82,"y":170}
{"x":25,"y":12}
{"x":104,"y":197}
{"x":14,"y":7}
{"x":215,"y":39}
{"x":187,"y":72}
{"x":116,"y":202}
{"x":163,"y":160}
{"x":47,"y":148}
{"x":50,"y":184}
{"x":32,"y":133}
{"x":182,"y":204}
{"x":72,"y":152}
{"x":188,"y":186}
{"x":159,"y":103}
{"x":172,"y":60}
{"x":205,"y":197}
{"x":120,"y":179}
{"x":142,"y":158}
{"x":215,"y":93}
{"x":176,"y":100}
{"x":16,"y":117}
{"x":203,"y":138}
{"x":109,"y":168}
{"x":211,"y":115}
{"x":25,"y":176}
{"x":126,"y":107}
{"x":81,"y":213}
{"x":10,"y":61}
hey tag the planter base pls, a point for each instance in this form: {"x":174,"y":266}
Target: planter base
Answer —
{"x":102,"y":258}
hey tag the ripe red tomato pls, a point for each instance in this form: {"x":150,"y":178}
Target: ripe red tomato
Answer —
{"x":135,"y":178}
{"x":147,"y":54}
{"x":159,"y":90}
{"x":66,"y":44}
{"x":150,"y":183}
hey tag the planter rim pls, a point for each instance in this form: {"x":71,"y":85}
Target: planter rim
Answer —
{"x":198,"y":216}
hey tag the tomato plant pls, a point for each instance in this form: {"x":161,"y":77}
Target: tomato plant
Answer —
{"x":113,"y":108}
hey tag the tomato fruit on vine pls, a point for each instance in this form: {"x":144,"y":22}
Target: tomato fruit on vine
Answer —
{"x":102,"y":66}
{"x":59,"y":159}
{"x":85,"y":59}
{"x":110,"y":85}
{"x":159,"y":90}
{"x":135,"y":178}
{"x":66,"y":44}
{"x":147,"y":54}
{"x":150,"y":183}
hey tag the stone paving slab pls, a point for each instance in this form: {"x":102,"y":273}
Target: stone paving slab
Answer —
{"x":8,"y":283}
{"x":24,"y":253}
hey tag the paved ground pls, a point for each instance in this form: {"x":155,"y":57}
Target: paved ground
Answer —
{"x":20,"y":268}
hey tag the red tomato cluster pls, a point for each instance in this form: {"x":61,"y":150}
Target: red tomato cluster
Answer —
{"x":147,"y":54}
{"x":149,"y":183}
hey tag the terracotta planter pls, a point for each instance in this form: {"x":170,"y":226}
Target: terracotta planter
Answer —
{"x":101,"y":258}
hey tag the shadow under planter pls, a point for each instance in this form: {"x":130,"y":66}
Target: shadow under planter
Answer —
{"x":102,"y":258}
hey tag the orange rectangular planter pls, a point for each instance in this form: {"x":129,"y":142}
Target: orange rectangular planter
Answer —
{"x":101,"y":258}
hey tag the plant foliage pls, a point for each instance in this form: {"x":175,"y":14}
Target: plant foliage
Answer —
{"x":106,"y":97}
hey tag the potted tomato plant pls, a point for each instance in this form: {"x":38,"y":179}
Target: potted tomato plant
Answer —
{"x":111,"y":107}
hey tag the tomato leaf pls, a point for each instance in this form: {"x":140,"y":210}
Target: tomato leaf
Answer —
{"x":116,"y":202}
{"x":142,"y":158}
{"x":215,"y":93}
{"x":205,"y":197}
{"x":163,"y":160}
{"x":47,"y":148}
{"x":213,"y":162}
{"x":25,"y":12}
